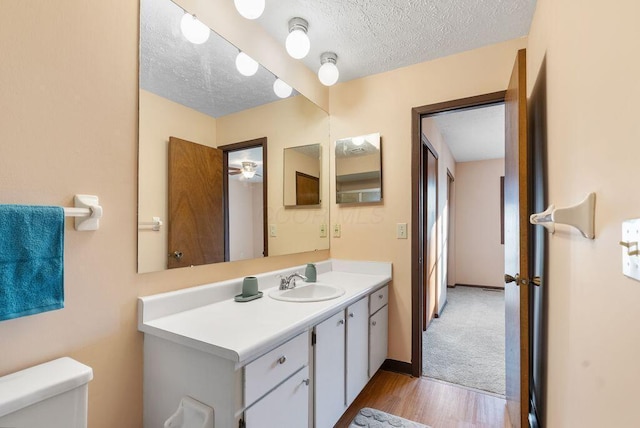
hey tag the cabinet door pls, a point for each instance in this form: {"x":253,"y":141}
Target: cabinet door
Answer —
{"x":285,"y":406}
{"x":378,"y":336}
{"x":329,"y":368}
{"x":357,"y":348}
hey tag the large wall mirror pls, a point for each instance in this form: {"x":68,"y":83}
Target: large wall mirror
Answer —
{"x":212,"y":145}
{"x":359,"y":169}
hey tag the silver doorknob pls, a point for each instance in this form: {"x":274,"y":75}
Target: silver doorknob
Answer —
{"x":177,"y":255}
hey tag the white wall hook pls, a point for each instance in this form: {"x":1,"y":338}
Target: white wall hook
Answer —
{"x":580,"y":216}
{"x":87,"y":212}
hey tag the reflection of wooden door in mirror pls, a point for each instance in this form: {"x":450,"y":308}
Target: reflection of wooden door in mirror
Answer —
{"x":307,"y":189}
{"x":196,"y":217}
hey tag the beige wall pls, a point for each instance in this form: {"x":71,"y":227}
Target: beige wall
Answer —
{"x":245,"y":220}
{"x":384,"y":103}
{"x":593,"y":145}
{"x":69,"y":102}
{"x":479,"y":254}
{"x":290,"y":122}
{"x":160,"y":119}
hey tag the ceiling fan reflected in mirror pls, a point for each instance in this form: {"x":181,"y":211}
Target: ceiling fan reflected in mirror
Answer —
{"x":248,"y":170}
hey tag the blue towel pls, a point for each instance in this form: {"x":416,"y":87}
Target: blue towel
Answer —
{"x":31,"y":260}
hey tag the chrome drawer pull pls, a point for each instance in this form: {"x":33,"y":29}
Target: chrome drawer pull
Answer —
{"x":373,"y":323}
{"x":305,"y":381}
{"x":340,"y":322}
{"x":282,"y":359}
{"x":380,"y":296}
{"x":351,"y":315}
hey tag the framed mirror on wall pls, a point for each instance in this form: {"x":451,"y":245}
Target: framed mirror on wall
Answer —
{"x":302,"y":171}
{"x":196,"y":93}
{"x":359,"y":169}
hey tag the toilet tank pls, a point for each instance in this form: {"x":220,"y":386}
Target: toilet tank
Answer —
{"x":51,"y":395}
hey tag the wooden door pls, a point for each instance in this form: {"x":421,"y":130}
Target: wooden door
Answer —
{"x":196,"y":211}
{"x":307,"y":189}
{"x":429,"y":274}
{"x":516,"y":248}
{"x":329,"y":366}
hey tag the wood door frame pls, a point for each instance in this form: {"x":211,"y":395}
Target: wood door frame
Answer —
{"x":425,"y":147}
{"x":416,"y":156}
{"x":243,"y":145}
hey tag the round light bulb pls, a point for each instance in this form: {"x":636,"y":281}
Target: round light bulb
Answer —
{"x":250,"y":9}
{"x":246,"y":65}
{"x":298,"y":44}
{"x":282,"y":89}
{"x":194,"y":30}
{"x":358,"y":141}
{"x":328,"y":74}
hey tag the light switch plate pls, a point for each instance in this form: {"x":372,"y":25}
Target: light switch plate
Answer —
{"x":337,"y":230}
{"x":401,"y":231}
{"x":630,"y":246}
{"x":323,"y":230}
{"x":273,"y":230}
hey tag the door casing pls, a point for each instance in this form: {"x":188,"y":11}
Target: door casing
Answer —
{"x":417,"y":215}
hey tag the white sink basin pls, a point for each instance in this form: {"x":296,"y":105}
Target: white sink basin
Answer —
{"x":312,"y":292}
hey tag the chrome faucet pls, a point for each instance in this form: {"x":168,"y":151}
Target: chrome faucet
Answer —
{"x":285,"y":281}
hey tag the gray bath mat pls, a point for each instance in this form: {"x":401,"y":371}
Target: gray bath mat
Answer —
{"x":372,"y":418}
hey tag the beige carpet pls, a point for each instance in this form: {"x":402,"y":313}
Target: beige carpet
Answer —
{"x":373,"y":418}
{"x":465,"y":345}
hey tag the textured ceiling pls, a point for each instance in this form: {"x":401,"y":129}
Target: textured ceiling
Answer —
{"x":203,"y":77}
{"x":475,"y":134}
{"x":374,"y":36}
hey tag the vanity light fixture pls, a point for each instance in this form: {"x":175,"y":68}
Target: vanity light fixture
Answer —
{"x":328,"y":72}
{"x":297,"y":42}
{"x":250,"y":9}
{"x":246,"y":65}
{"x":282,"y":89}
{"x":193,"y":29}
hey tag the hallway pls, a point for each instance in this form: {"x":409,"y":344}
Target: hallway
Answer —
{"x":465,"y":346}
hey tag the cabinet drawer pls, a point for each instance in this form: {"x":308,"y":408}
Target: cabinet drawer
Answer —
{"x":284,"y":407}
{"x":378,"y":299}
{"x":265,"y":373}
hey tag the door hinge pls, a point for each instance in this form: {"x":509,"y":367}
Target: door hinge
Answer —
{"x":241,"y":424}
{"x":313,"y":338}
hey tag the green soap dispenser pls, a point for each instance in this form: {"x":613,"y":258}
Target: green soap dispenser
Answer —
{"x":310,"y":272}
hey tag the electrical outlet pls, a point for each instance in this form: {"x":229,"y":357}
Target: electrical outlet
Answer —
{"x":337,"y":230}
{"x":273,"y":230}
{"x":323,"y":230}
{"x":401,"y":231}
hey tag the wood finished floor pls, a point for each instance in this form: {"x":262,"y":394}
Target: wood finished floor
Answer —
{"x":434,"y":403}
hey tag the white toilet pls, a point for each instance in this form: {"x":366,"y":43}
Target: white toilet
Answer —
{"x":51,"y":395}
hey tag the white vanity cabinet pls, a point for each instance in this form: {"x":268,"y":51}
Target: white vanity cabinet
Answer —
{"x":255,"y":363}
{"x":329,"y":367}
{"x":285,"y":406}
{"x":357,"y":352}
{"x":378,"y":328}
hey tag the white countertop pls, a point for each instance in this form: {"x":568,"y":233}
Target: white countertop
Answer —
{"x":241,"y":332}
